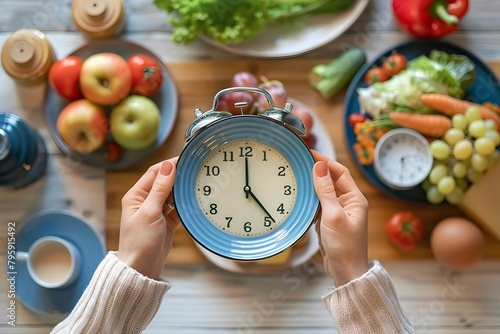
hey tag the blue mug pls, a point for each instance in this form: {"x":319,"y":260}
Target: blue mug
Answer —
{"x":23,"y":155}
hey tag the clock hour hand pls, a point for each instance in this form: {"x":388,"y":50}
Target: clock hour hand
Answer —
{"x":248,"y":191}
{"x":402,"y":169}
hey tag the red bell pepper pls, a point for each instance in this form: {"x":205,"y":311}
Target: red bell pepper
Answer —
{"x":429,"y":18}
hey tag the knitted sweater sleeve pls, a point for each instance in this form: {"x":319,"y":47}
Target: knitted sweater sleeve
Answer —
{"x":118,"y":299}
{"x":368,"y":304}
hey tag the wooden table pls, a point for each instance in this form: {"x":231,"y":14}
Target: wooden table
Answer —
{"x":199,"y":71}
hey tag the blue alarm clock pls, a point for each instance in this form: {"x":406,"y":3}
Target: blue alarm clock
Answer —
{"x":244,"y":188}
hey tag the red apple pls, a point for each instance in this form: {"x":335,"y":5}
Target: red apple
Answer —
{"x":134,"y":122}
{"x":105,"y":78}
{"x":83,"y":126}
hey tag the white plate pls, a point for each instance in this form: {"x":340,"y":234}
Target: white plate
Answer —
{"x":280,"y":41}
{"x":299,"y":255}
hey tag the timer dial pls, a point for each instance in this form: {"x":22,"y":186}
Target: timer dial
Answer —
{"x":402,"y":158}
{"x":246,"y":188}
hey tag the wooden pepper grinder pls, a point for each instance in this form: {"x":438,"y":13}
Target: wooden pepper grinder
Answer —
{"x":27,"y":56}
{"x":99,"y":18}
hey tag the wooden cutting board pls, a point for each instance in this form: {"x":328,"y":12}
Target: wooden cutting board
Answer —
{"x":197,"y":82}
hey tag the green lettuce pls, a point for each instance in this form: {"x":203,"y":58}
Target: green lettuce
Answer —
{"x":439,"y":72}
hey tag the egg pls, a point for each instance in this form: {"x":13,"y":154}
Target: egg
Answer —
{"x":457,"y":243}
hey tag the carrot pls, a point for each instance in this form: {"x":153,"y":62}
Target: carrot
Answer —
{"x":450,"y":106}
{"x":426,"y":124}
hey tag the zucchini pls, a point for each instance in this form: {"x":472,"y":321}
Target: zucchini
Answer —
{"x":329,"y":79}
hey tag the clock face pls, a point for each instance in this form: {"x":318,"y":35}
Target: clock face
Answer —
{"x":402,"y":158}
{"x":243,"y":188}
{"x":246,"y":188}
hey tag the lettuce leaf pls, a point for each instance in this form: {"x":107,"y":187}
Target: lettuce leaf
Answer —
{"x":439,"y":72}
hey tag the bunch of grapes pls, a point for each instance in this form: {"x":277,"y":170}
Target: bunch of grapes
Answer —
{"x":461,"y":156}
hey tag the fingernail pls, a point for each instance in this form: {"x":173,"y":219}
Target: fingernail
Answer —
{"x":166,"y":168}
{"x":321,"y":169}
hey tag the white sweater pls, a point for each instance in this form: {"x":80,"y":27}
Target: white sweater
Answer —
{"x":118,"y":299}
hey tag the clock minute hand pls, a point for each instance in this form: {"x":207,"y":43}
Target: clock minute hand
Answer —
{"x":248,"y":191}
{"x":246,"y":177}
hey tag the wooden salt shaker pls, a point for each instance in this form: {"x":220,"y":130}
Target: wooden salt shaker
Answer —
{"x":27,"y":56}
{"x":98,"y":18}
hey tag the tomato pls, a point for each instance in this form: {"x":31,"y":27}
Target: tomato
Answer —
{"x":147,"y":75}
{"x":376,"y":74}
{"x":394,"y":64}
{"x":113,"y":151}
{"x":64,"y":77}
{"x":355,"y":118}
{"x":405,"y":230}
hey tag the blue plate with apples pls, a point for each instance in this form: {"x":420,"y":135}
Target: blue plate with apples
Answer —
{"x":166,"y":99}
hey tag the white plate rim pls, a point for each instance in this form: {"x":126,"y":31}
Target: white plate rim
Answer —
{"x":291,"y":45}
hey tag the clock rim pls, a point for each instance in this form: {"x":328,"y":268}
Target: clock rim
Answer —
{"x":245,"y":248}
{"x":383,"y":140}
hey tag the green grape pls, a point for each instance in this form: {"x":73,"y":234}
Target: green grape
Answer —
{"x":479,"y":162}
{"x":494,"y":135}
{"x":462,"y":149}
{"x":490,"y":124}
{"x":473,"y":175}
{"x":484,"y":145}
{"x":426,"y":184}
{"x":453,"y":135}
{"x":434,"y":196}
{"x":459,"y":121}
{"x":459,"y":169}
{"x":455,"y":196}
{"x":439,"y":149}
{"x":436,"y":173}
{"x":446,"y":185}
{"x":462,"y":184}
{"x":477,"y":128}
{"x":472,"y":114}
{"x":493,"y":159}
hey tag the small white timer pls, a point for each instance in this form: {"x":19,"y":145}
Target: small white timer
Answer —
{"x":402,"y":159}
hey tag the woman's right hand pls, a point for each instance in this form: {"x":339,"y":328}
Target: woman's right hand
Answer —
{"x":343,"y":225}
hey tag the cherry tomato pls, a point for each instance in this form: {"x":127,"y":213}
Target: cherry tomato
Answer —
{"x":355,"y":118}
{"x":405,"y":230}
{"x":113,"y":151}
{"x":64,"y":77}
{"x":394,"y":63}
{"x":147,"y":75}
{"x":376,"y":74}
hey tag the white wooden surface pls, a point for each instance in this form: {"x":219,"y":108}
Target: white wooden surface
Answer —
{"x":205,"y":299}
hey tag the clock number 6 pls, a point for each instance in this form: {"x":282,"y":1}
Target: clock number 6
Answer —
{"x":247,"y":227}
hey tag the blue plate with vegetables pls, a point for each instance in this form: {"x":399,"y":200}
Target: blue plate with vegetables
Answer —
{"x":423,"y":85}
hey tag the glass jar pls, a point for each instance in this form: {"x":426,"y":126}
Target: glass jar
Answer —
{"x":23,"y":155}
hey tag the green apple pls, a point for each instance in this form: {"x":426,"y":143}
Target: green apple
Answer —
{"x":134,"y":122}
